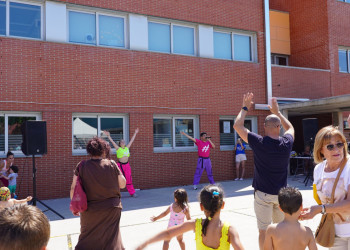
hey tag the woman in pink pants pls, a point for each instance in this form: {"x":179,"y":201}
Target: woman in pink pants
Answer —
{"x":123,"y":155}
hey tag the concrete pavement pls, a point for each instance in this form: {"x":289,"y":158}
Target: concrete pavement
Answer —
{"x":136,"y":225}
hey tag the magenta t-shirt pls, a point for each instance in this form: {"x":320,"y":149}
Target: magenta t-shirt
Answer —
{"x":203,"y":148}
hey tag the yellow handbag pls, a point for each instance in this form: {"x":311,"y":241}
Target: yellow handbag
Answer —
{"x":325,"y":232}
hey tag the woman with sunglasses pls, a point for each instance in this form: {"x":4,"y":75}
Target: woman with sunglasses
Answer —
{"x":331,"y":155}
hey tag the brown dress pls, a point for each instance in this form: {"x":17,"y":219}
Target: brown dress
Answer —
{"x":99,"y":224}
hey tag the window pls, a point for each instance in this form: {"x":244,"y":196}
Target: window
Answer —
{"x":242,"y":47}
{"x":85,"y":127}
{"x":111,"y":31}
{"x":166,"y":132}
{"x":159,"y":37}
{"x":24,"y":19}
{"x":344,"y":60}
{"x":11,"y":131}
{"x":171,"y":38}
{"x":2,"y":18}
{"x":228,"y":45}
{"x":222,"y":45}
{"x":83,"y":28}
{"x":183,"y":40}
{"x":279,"y":59}
{"x":345,"y":1}
{"x":228,"y":136}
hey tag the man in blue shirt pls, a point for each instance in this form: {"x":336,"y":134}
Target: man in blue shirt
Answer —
{"x":271,"y":159}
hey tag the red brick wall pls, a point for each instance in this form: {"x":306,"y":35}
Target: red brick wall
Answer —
{"x":339,"y":30}
{"x":300,"y":83}
{"x":317,"y":29}
{"x":308,"y":32}
{"x":58,"y":79}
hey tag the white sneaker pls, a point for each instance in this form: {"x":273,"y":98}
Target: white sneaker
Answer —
{"x":236,"y":179}
{"x":241,"y":179}
{"x":194,"y":187}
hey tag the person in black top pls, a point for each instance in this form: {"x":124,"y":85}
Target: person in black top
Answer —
{"x":271,"y":159}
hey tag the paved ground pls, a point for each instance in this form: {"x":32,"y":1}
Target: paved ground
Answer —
{"x":136,"y":225}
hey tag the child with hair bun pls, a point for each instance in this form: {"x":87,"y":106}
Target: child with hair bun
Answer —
{"x":178,"y":211}
{"x":211,"y":233}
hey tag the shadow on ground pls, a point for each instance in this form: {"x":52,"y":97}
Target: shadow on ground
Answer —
{"x":164,"y":196}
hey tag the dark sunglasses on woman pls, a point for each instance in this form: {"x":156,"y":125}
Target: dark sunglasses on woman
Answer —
{"x":339,"y":145}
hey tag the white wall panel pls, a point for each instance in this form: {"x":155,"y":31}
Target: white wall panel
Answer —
{"x":138,"y":30}
{"x":205,"y":41}
{"x":56,"y":22}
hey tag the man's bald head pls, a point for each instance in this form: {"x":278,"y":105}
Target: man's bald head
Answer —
{"x":272,"y":121}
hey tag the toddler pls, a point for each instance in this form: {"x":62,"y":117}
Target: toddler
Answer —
{"x":178,"y":211}
{"x":6,"y":201}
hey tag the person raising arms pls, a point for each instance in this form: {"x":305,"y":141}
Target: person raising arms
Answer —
{"x":271,"y":160}
{"x":204,"y":145}
{"x":123,"y":155}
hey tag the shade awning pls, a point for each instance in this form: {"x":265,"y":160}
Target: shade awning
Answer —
{"x":318,"y":106}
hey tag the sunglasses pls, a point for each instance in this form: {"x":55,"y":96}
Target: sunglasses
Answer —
{"x":339,"y":145}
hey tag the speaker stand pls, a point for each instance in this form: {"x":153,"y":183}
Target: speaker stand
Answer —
{"x":35,"y":199}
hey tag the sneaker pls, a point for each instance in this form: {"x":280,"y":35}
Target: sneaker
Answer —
{"x":194,"y":187}
{"x":15,"y":196}
{"x":241,"y":179}
{"x":237,"y":179}
{"x":134,"y":195}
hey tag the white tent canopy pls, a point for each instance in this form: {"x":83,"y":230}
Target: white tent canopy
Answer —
{"x":82,"y":129}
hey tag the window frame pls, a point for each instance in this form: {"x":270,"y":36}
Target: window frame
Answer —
{"x":7,"y":18}
{"x":253,"y":43}
{"x":171,"y":35}
{"x":6,"y":115}
{"x":231,"y":37}
{"x":275,"y":56}
{"x":98,"y":117}
{"x":173,"y":148}
{"x":251,"y":46}
{"x":171,"y":24}
{"x":7,"y":11}
{"x":254,"y":121}
{"x":347,"y":51}
{"x":97,"y":13}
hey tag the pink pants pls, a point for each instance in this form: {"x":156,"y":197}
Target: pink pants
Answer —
{"x":126,"y":170}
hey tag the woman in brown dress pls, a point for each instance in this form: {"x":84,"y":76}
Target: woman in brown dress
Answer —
{"x":102,"y":180}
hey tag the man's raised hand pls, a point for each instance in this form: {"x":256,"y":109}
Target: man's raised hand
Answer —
{"x":248,"y":100}
{"x":274,"y":106}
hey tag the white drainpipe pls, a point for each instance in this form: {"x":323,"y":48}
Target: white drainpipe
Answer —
{"x":268,"y":56}
{"x":268,"y":50}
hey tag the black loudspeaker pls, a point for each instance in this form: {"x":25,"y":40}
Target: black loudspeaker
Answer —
{"x":34,"y":138}
{"x":310,"y":129}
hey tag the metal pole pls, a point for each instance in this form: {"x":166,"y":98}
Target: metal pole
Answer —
{"x":34,"y":182}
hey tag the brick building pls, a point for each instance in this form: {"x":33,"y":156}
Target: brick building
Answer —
{"x":164,"y":67}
